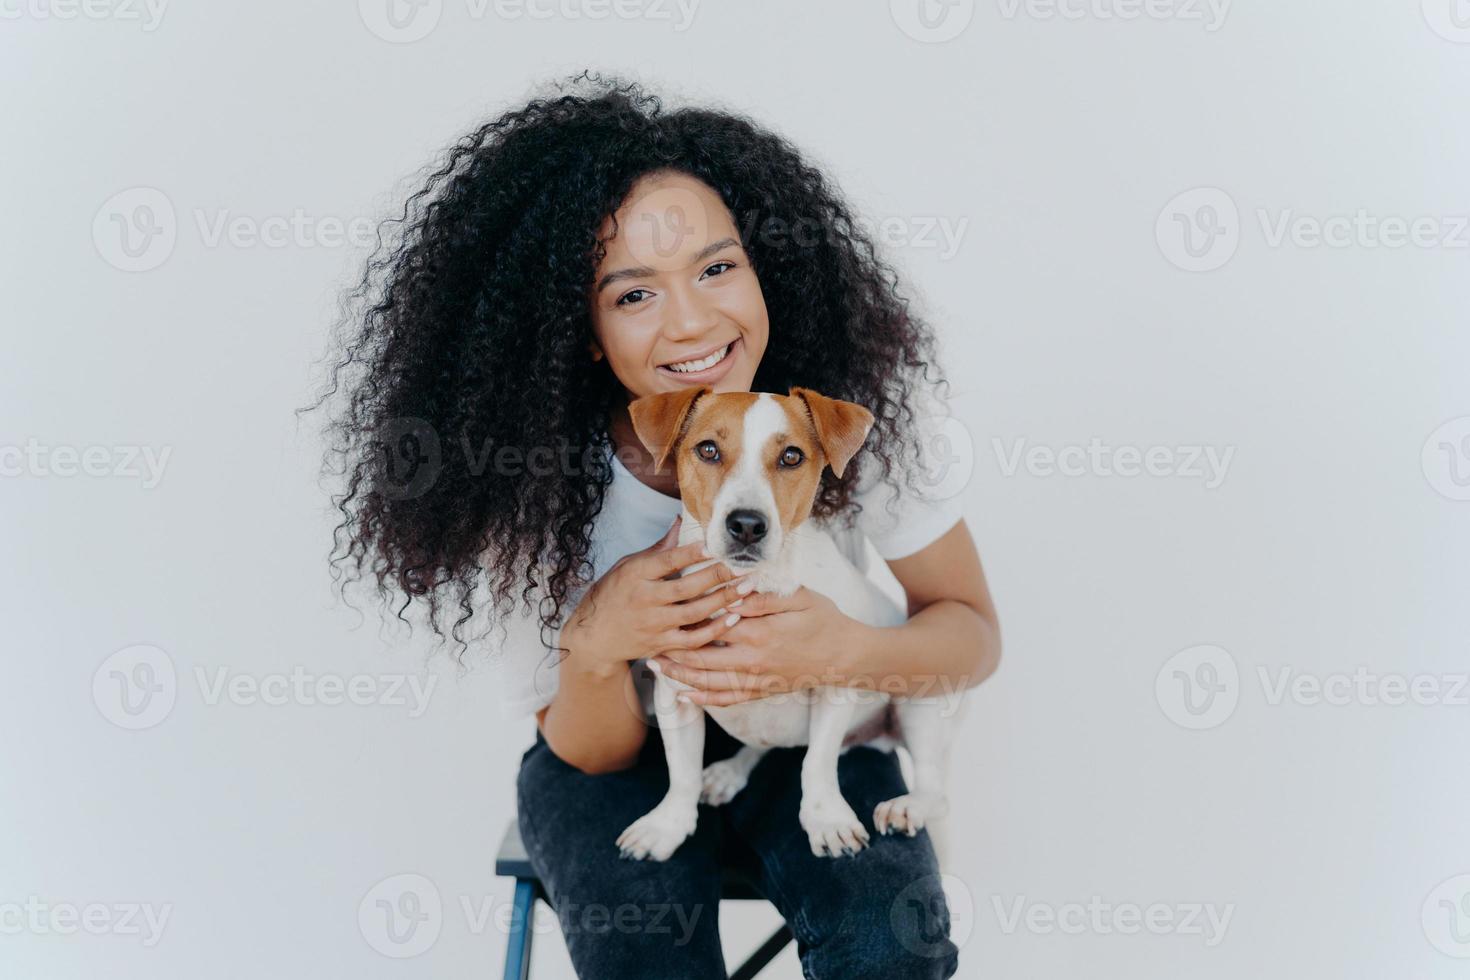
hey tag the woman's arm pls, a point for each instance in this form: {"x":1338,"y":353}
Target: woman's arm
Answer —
{"x":952,"y":637}
{"x":594,"y":722}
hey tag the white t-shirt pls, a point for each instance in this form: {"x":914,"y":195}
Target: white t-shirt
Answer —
{"x":635,"y":516}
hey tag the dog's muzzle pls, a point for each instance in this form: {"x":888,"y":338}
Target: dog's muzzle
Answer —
{"x":746,"y":529}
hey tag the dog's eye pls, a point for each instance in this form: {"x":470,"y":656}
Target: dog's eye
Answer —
{"x":708,"y":451}
{"x":791,"y":456}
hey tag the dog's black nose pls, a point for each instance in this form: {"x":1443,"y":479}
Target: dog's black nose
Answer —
{"x":746,"y":526}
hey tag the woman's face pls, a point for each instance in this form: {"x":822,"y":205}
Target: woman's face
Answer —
{"x":675,"y":301}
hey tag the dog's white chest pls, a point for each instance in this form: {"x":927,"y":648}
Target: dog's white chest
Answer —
{"x":811,"y":559}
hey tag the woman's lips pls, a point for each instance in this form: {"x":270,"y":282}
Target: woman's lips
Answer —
{"x":710,"y":374}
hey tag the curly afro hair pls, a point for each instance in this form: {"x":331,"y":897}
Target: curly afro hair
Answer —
{"x":466,"y":339}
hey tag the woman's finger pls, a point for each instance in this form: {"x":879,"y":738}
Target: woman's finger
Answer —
{"x":696,"y":583}
{"x":661,"y":564}
{"x":676,"y":639}
{"x":696,"y":611}
{"x":709,"y":680}
{"x":737,"y":656}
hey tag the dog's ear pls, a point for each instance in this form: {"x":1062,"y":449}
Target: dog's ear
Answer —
{"x":659,"y":420}
{"x":841,"y":426}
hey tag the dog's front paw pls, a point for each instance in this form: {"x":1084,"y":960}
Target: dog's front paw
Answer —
{"x":722,"y":780}
{"x":658,"y":833}
{"x":909,"y":813}
{"x":833,"y":828}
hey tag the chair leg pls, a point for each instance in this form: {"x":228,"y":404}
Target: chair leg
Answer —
{"x":522,"y":923}
{"x":764,"y":955}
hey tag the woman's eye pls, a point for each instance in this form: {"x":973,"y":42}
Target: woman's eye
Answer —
{"x":791,"y":456}
{"x":708,"y":452}
{"x":628,"y":298}
{"x":722,"y":266}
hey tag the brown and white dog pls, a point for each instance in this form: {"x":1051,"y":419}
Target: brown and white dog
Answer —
{"x":749,"y":466}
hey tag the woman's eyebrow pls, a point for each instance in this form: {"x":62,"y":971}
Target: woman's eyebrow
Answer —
{"x":643,"y":271}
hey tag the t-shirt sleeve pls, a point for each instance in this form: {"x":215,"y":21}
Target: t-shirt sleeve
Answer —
{"x":928,"y":499}
{"x":527,"y":670}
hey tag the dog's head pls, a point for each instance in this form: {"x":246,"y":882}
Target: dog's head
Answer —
{"x":749,"y":464}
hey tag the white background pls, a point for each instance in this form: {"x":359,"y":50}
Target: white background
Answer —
{"x":1068,"y":311}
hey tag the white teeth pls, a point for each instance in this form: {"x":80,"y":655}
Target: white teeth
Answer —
{"x":704,"y":363}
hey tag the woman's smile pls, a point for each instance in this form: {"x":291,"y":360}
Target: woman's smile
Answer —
{"x":703,"y":369}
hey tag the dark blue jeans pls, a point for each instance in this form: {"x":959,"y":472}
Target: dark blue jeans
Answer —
{"x":879,"y":913}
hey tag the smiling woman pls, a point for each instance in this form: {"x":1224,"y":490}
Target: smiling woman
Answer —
{"x":680,"y":303}
{"x":570,"y":257}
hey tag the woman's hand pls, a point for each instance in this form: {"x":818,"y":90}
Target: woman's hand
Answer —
{"x":780,"y":644}
{"x":637,"y":610}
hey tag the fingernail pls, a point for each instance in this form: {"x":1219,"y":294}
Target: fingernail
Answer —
{"x":736,"y":603}
{"x":720,"y":612}
{"x":746,"y":587}
{"x":683,"y":697}
{"x":732,"y":619}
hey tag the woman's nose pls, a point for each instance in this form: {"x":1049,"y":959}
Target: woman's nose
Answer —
{"x":689,"y":314}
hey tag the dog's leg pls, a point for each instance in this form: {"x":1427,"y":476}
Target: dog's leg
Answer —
{"x":829,"y":822}
{"x":660,"y":831}
{"x":723,"y":779}
{"x":923,"y":727}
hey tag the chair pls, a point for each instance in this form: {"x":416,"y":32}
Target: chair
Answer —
{"x":511,"y":862}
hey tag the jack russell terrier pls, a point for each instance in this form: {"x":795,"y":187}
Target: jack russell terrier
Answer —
{"x":749,"y":466}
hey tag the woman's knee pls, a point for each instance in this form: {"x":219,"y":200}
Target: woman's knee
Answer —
{"x":907,"y":937}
